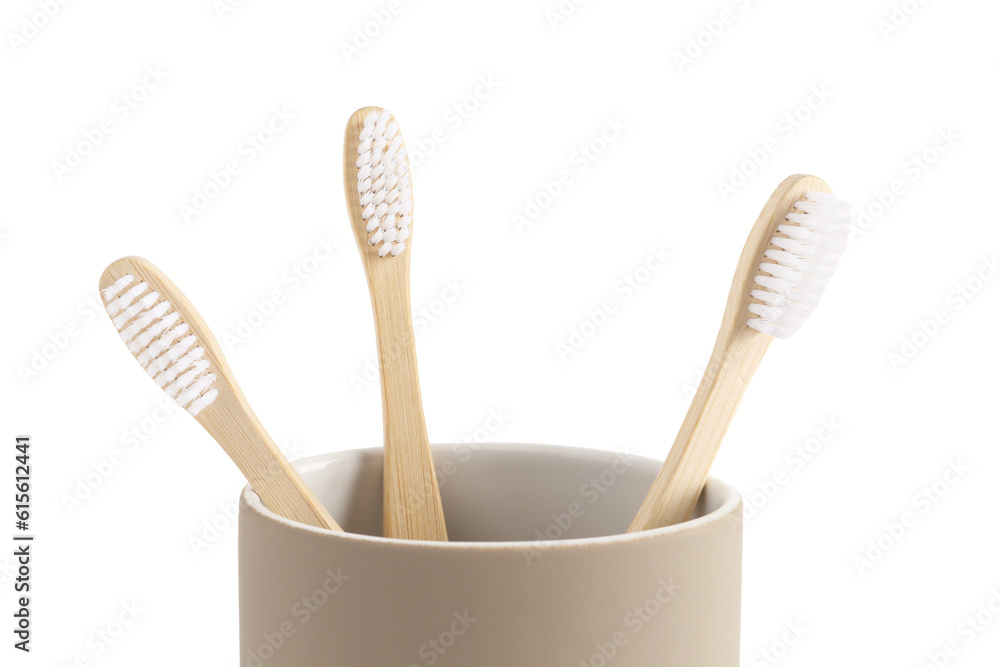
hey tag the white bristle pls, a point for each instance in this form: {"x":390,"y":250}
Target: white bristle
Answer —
{"x":161,"y":343}
{"x":384,"y":184}
{"x":116,"y":287}
{"x":807,"y":247}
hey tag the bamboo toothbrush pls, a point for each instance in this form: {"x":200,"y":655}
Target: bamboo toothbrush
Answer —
{"x":169,"y":339}
{"x":791,"y":253}
{"x":380,"y":206}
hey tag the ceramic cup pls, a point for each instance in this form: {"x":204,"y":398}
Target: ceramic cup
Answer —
{"x":539,"y":571}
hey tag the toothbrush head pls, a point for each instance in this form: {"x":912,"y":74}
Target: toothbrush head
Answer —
{"x":156,"y":334}
{"x":379,"y":171}
{"x":799,"y":259}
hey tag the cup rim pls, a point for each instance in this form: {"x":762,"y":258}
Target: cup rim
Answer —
{"x":731,"y":502}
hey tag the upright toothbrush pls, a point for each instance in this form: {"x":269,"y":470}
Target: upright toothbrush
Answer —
{"x":380,"y":206}
{"x":790,"y":255}
{"x":173,"y":344}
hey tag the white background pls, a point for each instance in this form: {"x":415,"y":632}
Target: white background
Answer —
{"x":887,"y":92}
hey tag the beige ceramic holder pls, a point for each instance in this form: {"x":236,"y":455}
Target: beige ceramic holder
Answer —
{"x":539,"y":572}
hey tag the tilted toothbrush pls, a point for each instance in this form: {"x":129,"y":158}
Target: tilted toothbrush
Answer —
{"x":170,"y":340}
{"x":380,"y":206}
{"x":788,"y":259}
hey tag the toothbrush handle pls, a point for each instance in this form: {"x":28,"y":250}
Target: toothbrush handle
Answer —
{"x":236,"y":428}
{"x":679,"y":483}
{"x":411,"y":497}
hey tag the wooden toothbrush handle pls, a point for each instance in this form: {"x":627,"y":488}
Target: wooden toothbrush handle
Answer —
{"x":679,"y":483}
{"x":411,"y":499}
{"x":233,"y":424}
